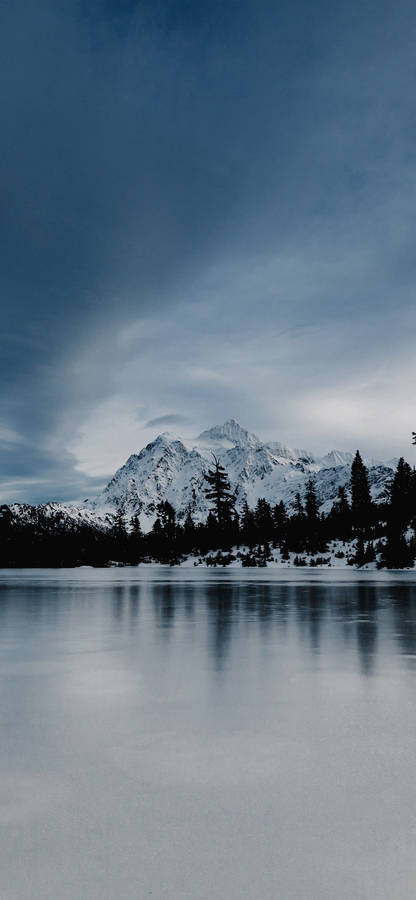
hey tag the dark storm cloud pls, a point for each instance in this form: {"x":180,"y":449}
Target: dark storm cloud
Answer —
{"x":142,"y":143}
{"x":113,"y":172}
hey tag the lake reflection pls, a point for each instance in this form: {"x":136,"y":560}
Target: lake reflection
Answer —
{"x":189,"y":734}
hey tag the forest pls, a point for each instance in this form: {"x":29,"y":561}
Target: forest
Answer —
{"x":364,"y":532}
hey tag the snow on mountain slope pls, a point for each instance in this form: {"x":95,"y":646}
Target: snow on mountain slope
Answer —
{"x":68,"y":514}
{"x":227,"y":436}
{"x":336,"y":458}
{"x":172,"y":469}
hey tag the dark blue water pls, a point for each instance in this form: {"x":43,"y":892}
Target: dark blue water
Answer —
{"x":207,"y":735}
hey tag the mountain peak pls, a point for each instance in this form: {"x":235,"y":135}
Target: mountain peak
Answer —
{"x":232,"y":431}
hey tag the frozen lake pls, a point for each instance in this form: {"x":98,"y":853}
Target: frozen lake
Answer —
{"x":207,"y":735}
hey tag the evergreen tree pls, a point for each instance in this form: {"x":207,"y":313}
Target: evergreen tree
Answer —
{"x":167,"y":516}
{"x":285,"y":552}
{"x":279,"y":515}
{"x":189,"y":533}
{"x":220,"y":494}
{"x":364,"y":553}
{"x":370,"y":553}
{"x":162,"y":541}
{"x":6,"y":535}
{"x":402,"y":495}
{"x":360,"y":557}
{"x":248,"y":525}
{"x":311,"y":503}
{"x":135,"y":528}
{"x":119,"y":540}
{"x":397,"y":553}
{"x":119,"y":527}
{"x":298,"y":506}
{"x":263,"y":520}
{"x":343,"y":514}
{"x":313,"y":523}
{"x":189,"y":524}
{"x":338,"y":522}
{"x":135,"y":539}
{"x":212,"y":537}
{"x":234,"y":527}
{"x":156,"y":543}
{"x":297,"y":527}
{"x":361,"y":504}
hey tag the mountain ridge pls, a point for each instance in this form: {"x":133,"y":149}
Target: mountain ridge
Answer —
{"x":171,"y":468}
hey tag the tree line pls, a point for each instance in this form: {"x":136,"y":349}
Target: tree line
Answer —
{"x":366,"y":531}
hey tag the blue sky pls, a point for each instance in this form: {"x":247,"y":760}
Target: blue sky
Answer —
{"x":208,"y":210}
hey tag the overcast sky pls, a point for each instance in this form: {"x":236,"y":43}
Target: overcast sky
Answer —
{"x":208,"y":210}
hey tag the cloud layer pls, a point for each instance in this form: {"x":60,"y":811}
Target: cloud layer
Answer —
{"x":208,"y":210}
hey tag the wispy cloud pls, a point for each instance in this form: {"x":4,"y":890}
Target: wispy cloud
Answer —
{"x":170,"y":419}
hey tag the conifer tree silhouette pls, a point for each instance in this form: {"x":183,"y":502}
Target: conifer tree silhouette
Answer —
{"x":219,"y":493}
{"x":361,"y":505}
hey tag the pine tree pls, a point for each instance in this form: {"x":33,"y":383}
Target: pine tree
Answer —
{"x":189,"y":532}
{"x":211,"y":534}
{"x":219,"y":493}
{"x":311,"y":503}
{"x":167,"y":516}
{"x":297,"y":527}
{"x":401,"y":494}
{"x":370,"y":553}
{"x":234,"y":528}
{"x":248,"y":525}
{"x":285,"y":552}
{"x":360,"y":557}
{"x":397,"y":553}
{"x":157,"y":533}
{"x":298,"y":506}
{"x":313,"y":522}
{"x":162,"y":541}
{"x":339,"y":519}
{"x":344,"y":513}
{"x":361,"y":505}
{"x":119,"y":538}
{"x":280,"y":523}
{"x":119,"y":526}
{"x":135,"y":539}
{"x":263,"y":519}
{"x":135,"y":528}
{"x":189,"y":524}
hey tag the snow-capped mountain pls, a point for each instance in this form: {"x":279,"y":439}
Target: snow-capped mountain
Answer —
{"x":170,"y":468}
